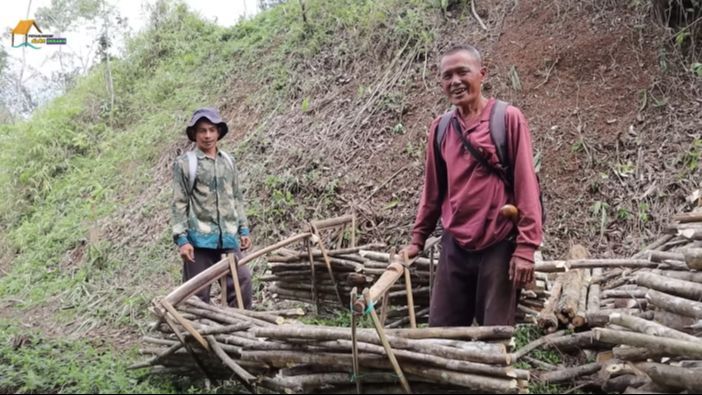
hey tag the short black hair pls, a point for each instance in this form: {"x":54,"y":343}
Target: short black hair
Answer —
{"x":463,"y":48}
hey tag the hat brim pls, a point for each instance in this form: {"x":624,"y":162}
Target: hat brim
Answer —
{"x":221,"y":125}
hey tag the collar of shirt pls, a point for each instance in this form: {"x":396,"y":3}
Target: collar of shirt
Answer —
{"x":484,"y":117}
{"x":202,"y":155}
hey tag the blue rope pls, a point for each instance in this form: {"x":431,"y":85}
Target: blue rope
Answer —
{"x":370,"y":308}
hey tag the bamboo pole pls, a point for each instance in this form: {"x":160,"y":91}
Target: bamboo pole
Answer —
{"x":386,"y":343}
{"x":207,"y":276}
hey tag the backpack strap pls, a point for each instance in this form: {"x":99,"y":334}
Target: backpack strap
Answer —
{"x":228,"y":158}
{"x":441,"y":129}
{"x":498,"y":132}
{"x":192,"y":167}
{"x":192,"y":170}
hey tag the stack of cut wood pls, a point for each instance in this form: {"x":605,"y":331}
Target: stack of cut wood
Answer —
{"x":290,"y":278}
{"x":275,"y":353}
{"x":644,"y":313}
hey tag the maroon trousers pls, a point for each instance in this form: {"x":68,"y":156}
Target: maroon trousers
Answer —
{"x":204,"y":258}
{"x":473,"y":285}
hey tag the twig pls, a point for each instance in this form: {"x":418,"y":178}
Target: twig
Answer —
{"x":548,"y":74}
{"x":535,"y":344}
{"x":476,"y":16}
{"x":384,"y":183}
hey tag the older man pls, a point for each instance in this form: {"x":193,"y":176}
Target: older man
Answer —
{"x":486,"y":256}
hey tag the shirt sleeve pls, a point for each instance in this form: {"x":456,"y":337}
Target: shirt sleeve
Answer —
{"x":526,"y":185}
{"x":180,"y":206}
{"x":433,"y":192}
{"x":239,"y":202}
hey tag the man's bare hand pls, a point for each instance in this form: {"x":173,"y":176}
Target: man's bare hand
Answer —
{"x":187,"y":252}
{"x":521,"y":272}
{"x":245,"y":243}
{"x":412,"y":251}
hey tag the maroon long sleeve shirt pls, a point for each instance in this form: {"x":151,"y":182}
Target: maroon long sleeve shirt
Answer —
{"x":468,"y":197}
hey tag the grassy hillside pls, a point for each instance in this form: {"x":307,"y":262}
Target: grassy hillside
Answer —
{"x":328,"y":110}
{"x":85,"y":239}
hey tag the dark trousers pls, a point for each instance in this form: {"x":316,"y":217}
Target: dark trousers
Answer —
{"x":473,"y":285}
{"x":204,"y":258}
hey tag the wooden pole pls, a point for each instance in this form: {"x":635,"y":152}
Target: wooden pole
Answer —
{"x":650,"y":327}
{"x":674,"y":304}
{"x":354,"y":344}
{"x":223,"y":287}
{"x":353,"y":230}
{"x":234,"y":268}
{"x":320,"y":243}
{"x":185,"y":323}
{"x":244,"y":377}
{"x":686,"y":289}
{"x":408,"y":287}
{"x":667,"y":346}
{"x":562,"y":266}
{"x":315,"y":297}
{"x":330,"y":222}
{"x":547,"y":319}
{"x":212,"y":273}
{"x":568,"y":374}
{"x":386,"y":344}
{"x":674,"y":376}
{"x":431,"y":271}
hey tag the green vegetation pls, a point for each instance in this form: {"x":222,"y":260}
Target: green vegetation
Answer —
{"x":86,"y":182}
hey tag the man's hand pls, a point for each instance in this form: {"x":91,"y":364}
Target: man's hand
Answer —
{"x":521,"y":272}
{"x":412,"y":251}
{"x":187,"y":252}
{"x":245,"y":243}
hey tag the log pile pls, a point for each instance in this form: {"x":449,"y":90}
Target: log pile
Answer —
{"x":270,"y":352}
{"x":290,"y":276}
{"x":642,"y":317}
{"x":633,"y":324}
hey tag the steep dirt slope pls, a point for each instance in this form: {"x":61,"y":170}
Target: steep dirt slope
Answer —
{"x":614,"y":131}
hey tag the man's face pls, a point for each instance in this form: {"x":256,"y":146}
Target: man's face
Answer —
{"x":206,"y":135}
{"x":461,"y":78}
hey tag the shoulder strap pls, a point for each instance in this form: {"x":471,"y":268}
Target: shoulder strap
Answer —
{"x":192,"y":170}
{"x":498,"y":132}
{"x":441,"y":129}
{"x":228,"y":158}
{"x":477,"y":156}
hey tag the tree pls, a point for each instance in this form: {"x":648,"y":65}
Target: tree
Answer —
{"x":266,"y":4}
{"x":60,"y":17}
